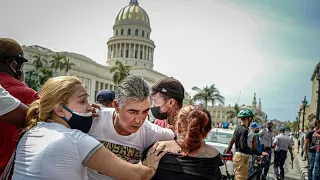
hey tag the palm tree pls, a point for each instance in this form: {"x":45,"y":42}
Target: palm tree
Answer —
{"x":208,"y":95}
{"x":46,"y":74}
{"x":57,"y":62}
{"x":120,"y":71}
{"x":38,"y":62}
{"x":233,"y":113}
{"x":32,"y":80}
{"x":257,"y":118}
{"x":67,"y":64}
{"x":190,"y":101}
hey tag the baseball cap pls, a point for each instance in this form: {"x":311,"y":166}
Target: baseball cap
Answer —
{"x":11,"y":48}
{"x":282,"y":129}
{"x":255,"y":125}
{"x":170,"y":87}
{"x":105,"y":95}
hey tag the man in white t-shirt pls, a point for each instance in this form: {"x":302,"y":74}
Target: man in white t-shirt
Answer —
{"x":124,"y":129}
{"x":11,"y":109}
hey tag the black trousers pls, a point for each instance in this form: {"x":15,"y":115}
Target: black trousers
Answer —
{"x":279,"y":160}
{"x":266,"y":169}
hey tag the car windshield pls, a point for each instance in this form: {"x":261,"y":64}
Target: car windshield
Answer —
{"x":218,"y":137}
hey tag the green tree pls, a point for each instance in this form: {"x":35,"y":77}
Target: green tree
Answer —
{"x":67,"y":64}
{"x":208,"y":95}
{"x":46,"y":73}
{"x":233,"y":113}
{"x":120,"y":72}
{"x":257,"y":118}
{"x":57,"y":62}
{"x":32,"y":79}
{"x":38,"y":61}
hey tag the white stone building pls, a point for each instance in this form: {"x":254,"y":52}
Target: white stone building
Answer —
{"x":131,"y":44}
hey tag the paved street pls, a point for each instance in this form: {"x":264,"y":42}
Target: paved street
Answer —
{"x":294,"y":174}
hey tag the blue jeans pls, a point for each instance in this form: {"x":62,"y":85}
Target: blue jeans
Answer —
{"x":316,"y":167}
{"x":311,"y":159}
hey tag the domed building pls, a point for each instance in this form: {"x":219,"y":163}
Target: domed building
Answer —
{"x":130,"y":44}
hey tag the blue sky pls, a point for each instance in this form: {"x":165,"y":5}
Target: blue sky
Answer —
{"x":267,"y":47}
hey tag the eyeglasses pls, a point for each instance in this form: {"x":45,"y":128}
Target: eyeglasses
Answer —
{"x":19,"y":57}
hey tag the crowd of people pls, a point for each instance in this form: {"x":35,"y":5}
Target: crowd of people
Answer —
{"x":58,"y":134}
{"x":310,"y":150}
{"x":254,"y":142}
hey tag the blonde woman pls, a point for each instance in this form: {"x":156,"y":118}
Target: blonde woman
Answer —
{"x":56,"y":146}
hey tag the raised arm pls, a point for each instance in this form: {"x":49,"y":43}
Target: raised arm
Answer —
{"x":107,"y":163}
{"x":17,"y":116}
{"x":231,"y":142}
{"x":11,"y":109}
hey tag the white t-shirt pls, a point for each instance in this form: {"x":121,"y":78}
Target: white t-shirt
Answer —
{"x":52,"y":151}
{"x":7,"y":102}
{"x":128,"y":148}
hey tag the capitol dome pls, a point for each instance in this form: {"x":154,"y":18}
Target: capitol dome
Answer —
{"x":133,"y":12}
{"x":131,"y":42}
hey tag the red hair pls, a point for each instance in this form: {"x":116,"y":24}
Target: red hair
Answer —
{"x":193,"y":126}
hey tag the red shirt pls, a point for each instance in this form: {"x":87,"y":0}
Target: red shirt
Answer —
{"x":9,"y":133}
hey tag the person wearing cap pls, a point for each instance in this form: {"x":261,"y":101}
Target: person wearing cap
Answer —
{"x":124,"y":129}
{"x":266,"y":136}
{"x":241,"y":156}
{"x":282,"y":144}
{"x":254,"y":141}
{"x":105,"y":98}
{"x":11,"y":63}
{"x":254,"y":136}
{"x":167,"y":97}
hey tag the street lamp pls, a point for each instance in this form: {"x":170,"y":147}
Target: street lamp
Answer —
{"x":304,"y":104}
{"x":297,"y":128}
{"x":299,"y":113}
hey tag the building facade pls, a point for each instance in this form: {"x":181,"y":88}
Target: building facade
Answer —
{"x":130,"y":44}
{"x":311,"y":108}
{"x":220,"y":113}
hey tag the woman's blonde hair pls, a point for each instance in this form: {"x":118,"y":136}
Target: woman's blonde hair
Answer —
{"x":192,"y":125}
{"x":55,"y":92}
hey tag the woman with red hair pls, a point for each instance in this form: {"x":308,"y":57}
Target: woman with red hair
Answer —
{"x":189,"y":157}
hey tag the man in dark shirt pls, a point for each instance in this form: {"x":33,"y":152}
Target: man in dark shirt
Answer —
{"x":241,"y":158}
{"x":310,"y":148}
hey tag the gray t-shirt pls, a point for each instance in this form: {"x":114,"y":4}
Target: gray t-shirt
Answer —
{"x":52,"y":151}
{"x":7,"y":102}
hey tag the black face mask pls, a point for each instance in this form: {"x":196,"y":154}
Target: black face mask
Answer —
{"x":256,"y":131}
{"x":17,"y":70}
{"x":269,"y":127}
{"x":158,"y":114}
{"x":80,"y":121}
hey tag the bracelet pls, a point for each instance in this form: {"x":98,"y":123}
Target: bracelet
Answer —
{"x":153,"y":168}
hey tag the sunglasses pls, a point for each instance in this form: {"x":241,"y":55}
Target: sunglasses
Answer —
{"x":19,"y":57}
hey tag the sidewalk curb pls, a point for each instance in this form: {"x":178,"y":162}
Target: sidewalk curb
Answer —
{"x":302,"y":164}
